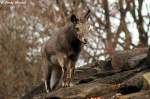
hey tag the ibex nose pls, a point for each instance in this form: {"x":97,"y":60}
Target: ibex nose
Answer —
{"x":85,"y":41}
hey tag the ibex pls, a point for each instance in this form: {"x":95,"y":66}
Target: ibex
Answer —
{"x":61,"y":52}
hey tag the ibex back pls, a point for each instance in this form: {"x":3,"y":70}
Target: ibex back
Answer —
{"x":61,"y":52}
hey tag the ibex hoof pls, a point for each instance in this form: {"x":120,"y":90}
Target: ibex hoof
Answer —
{"x":67,"y":84}
{"x":63,"y":84}
{"x":71,"y":84}
{"x":47,"y":91}
{"x":46,"y":88}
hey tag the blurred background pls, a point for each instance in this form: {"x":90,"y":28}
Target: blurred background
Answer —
{"x":26,"y":24}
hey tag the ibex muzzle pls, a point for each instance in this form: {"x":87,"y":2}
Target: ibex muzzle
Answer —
{"x":61,"y":52}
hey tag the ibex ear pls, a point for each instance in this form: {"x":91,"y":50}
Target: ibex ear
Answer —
{"x":87,"y":14}
{"x":74,"y":19}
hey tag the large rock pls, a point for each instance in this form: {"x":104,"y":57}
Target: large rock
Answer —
{"x":123,"y":60}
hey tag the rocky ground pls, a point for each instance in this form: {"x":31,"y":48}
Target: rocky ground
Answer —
{"x":126,"y":75}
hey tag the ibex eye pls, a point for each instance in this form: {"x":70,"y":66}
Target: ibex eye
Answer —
{"x":77,"y":28}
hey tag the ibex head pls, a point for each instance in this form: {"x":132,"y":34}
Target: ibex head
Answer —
{"x":81,"y":26}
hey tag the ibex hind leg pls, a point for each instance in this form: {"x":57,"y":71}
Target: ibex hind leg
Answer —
{"x":56,"y":77}
{"x":47,"y":74}
{"x":46,"y":86}
{"x":47,"y":83}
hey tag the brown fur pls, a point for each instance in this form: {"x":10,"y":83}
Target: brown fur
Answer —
{"x":61,"y":52}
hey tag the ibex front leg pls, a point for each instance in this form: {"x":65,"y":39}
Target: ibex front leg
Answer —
{"x":64,"y":83}
{"x":62,"y":60}
{"x":66,"y":74}
{"x":71,"y":73}
{"x":67,"y":68}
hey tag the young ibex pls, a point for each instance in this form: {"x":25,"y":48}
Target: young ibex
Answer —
{"x":61,"y":52}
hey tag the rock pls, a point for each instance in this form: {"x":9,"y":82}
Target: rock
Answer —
{"x":123,"y":60}
{"x":146,"y":77}
{"x":138,"y":95}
